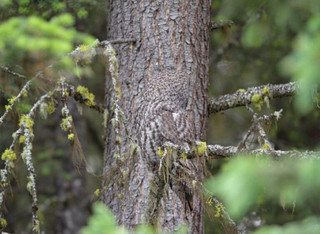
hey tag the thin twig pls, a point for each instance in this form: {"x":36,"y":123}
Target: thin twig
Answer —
{"x":220,"y":24}
{"x":6,"y":69}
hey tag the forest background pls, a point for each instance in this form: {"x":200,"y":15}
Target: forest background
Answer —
{"x":266,"y":42}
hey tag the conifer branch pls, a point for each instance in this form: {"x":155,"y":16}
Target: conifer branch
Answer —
{"x":252,"y":95}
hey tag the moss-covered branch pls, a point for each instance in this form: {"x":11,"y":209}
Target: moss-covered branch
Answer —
{"x":219,"y":151}
{"x":255,"y":95}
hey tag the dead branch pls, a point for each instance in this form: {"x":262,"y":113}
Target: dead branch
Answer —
{"x":221,"y":24}
{"x":244,"y":97}
{"x":219,"y":151}
{"x":6,"y":69}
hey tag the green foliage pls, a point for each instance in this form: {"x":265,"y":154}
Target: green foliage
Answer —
{"x":102,"y":221}
{"x":246,"y":182}
{"x":310,"y":226}
{"x":274,"y":24}
{"x":35,"y":39}
{"x":256,"y":34}
{"x":303,"y":63}
{"x":47,"y":9}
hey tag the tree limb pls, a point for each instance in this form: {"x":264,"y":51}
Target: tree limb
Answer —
{"x":6,"y":69}
{"x":221,"y":24}
{"x":219,"y":151}
{"x":244,"y":97}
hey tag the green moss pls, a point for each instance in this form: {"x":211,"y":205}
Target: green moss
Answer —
{"x":257,"y":100}
{"x":86,"y":95}
{"x":201,"y":148}
{"x":9,"y":154}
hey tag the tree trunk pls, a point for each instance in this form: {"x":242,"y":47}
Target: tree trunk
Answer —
{"x":169,"y":34}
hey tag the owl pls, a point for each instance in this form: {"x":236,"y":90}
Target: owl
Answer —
{"x":162,"y":114}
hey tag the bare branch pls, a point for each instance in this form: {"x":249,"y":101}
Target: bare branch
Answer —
{"x":10,"y":106}
{"x":244,"y":97}
{"x":221,"y":24}
{"x":218,"y":151}
{"x":6,"y":69}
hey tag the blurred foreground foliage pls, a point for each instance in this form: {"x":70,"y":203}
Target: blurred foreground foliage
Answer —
{"x":102,"y":221}
{"x":249,"y":183}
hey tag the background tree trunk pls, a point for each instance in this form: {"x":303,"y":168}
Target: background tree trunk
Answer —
{"x":168,"y":34}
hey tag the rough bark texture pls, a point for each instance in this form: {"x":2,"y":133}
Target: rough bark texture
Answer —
{"x":169,"y":34}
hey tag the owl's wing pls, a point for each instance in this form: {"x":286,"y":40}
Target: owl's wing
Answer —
{"x":176,"y":127}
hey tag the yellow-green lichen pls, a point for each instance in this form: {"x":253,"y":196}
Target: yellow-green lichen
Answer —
{"x":25,"y":93}
{"x":209,"y":201}
{"x":116,"y":155}
{"x":265,"y":147}
{"x":119,"y":140}
{"x":4,"y":223}
{"x":83,"y":48}
{"x":12,"y":100}
{"x":201,"y":148}
{"x":118,"y":91}
{"x":218,"y":211}
{"x":119,"y":195}
{"x":160,"y":152}
{"x":123,"y":172}
{"x":27,"y":122}
{"x":257,"y":100}
{"x":70,"y":136}
{"x":9,"y":154}
{"x":8,"y":107}
{"x":66,"y":123}
{"x":266,"y":91}
{"x":51,"y":108}
{"x":22,"y":139}
{"x":241,"y":90}
{"x":97,"y":192}
{"x":86,"y":95}
{"x":184,"y":156}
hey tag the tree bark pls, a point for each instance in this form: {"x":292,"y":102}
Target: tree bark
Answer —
{"x":168,"y":34}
